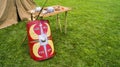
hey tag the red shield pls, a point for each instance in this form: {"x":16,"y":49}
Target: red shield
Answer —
{"x":40,"y":40}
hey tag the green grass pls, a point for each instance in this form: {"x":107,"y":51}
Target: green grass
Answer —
{"x":92,"y":39}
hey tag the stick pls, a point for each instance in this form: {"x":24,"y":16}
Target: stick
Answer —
{"x":41,"y":9}
{"x":24,"y":39}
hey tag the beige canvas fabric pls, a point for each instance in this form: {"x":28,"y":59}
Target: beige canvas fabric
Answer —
{"x":11,"y":9}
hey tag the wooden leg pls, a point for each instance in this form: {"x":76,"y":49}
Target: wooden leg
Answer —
{"x":58,"y":23}
{"x":65,"y":22}
{"x":31,"y":16}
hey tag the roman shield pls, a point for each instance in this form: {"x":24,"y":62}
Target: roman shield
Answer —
{"x":40,"y":39}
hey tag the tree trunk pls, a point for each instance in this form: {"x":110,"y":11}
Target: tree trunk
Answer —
{"x":13,"y":10}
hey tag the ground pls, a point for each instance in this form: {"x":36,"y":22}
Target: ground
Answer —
{"x":92,"y":39}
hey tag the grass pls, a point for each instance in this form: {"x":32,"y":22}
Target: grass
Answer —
{"x":92,"y":39}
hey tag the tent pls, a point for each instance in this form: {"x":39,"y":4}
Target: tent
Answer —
{"x":11,"y":11}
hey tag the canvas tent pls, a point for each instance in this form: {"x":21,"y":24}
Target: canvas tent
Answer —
{"x":13,"y":10}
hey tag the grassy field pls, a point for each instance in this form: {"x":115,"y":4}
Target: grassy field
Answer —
{"x":92,"y":39}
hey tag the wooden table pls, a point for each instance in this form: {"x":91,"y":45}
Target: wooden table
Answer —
{"x":58,"y":9}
